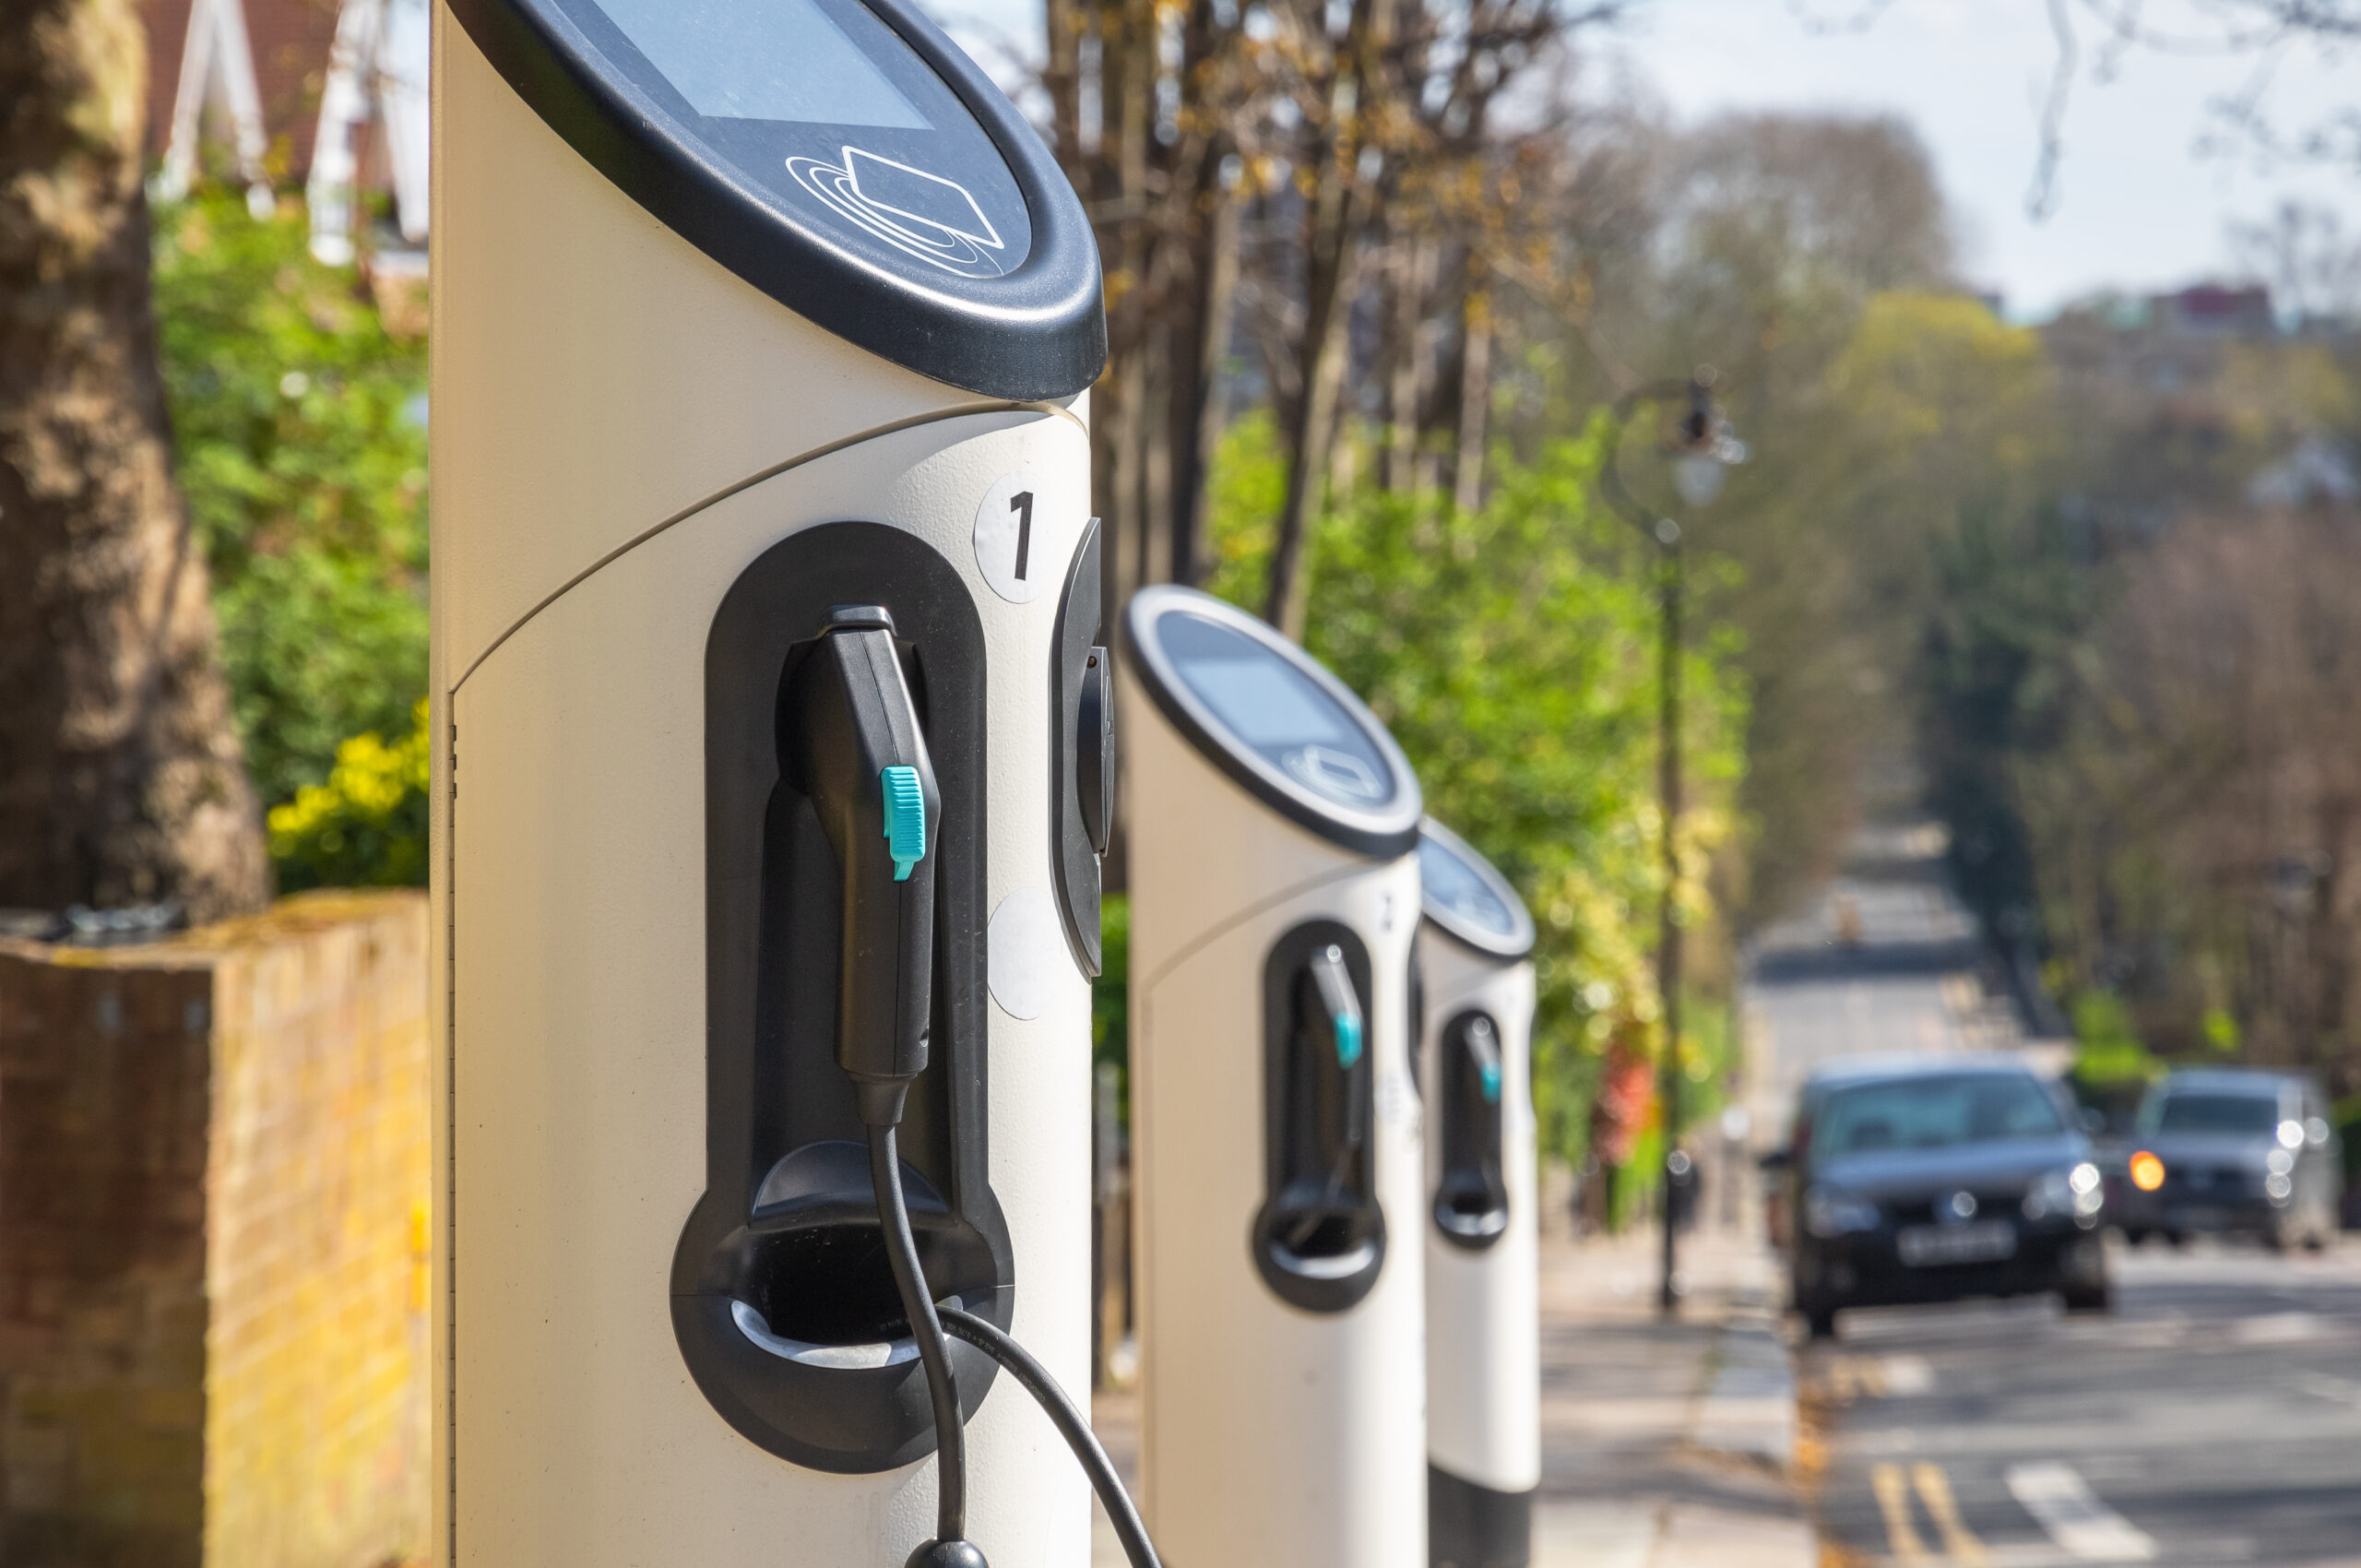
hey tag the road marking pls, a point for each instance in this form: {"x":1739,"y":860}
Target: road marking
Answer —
{"x":1934,"y":1490}
{"x":2334,"y":1389}
{"x":1879,"y":1377}
{"x":2063,"y":1503}
{"x":2276,"y":1328}
{"x":1893,"y":1500}
{"x":1908,"y":1374}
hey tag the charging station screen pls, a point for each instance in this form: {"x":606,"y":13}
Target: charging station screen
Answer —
{"x":762,"y":60}
{"x":1276,"y":711}
{"x":832,"y":115}
{"x":1449,"y":883}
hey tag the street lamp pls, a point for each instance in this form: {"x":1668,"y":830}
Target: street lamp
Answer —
{"x":1702,"y":449}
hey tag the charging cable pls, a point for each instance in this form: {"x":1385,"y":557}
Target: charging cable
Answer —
{"x":1138,"y":1550}
{"x":949,"y":1549}
{"x":929,"y":1325}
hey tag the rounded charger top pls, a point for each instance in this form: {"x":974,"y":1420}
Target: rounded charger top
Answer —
{"x":842,"y":156}
{"x":1274,"y":719}
{"x":1467,"y":895}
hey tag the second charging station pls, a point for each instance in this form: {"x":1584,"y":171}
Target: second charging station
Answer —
{"x":1273,"y":880}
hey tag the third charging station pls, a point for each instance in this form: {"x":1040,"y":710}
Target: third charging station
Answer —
{"x":1483,"y":1305}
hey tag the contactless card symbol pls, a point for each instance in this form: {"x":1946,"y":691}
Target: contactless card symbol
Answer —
{"x":1340,"y":776}
{"x":918,"y":213}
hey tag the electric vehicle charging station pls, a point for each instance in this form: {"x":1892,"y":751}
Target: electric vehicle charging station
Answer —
{"x":1483,"y":1304}
{"x":1274,"y":882}
{"x":771,"y":779}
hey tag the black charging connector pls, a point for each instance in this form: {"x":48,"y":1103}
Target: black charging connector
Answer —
{"x":859,"y":753}
{"x":861,"y":758}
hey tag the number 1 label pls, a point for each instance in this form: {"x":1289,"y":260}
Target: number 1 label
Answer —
{"x":1009,"y":534}
{"x":1022,"y":504}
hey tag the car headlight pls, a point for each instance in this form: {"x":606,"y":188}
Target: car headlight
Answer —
{"x":1834,"y":1214}
{"x":2074,"y":1191}
{"x":2277,"y":1188}
{"x":2291,"y":1134}
{"x":2279,"y":1162}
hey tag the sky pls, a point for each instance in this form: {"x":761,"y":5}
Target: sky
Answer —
{"x":2138,"y":208}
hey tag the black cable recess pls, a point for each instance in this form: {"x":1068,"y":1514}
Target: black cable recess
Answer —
{"x":1019,"y":1362}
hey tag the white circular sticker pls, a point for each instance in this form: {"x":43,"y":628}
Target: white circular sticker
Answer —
{"x":1025,"y":951}
{"x":1019,"y":545}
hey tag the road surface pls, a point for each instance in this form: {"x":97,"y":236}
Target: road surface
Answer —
{"x":2213,"y":1418}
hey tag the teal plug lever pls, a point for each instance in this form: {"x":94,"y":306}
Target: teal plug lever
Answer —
{"x":904,"y":830}
{"x":1349,"y":1040}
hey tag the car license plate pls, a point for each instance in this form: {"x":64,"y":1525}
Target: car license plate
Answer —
{"x":1985,"y":1241}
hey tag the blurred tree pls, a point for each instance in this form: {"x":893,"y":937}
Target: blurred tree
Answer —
{"x":302,"y":429}
{"x":1757,"y":244}
{"x":1509,"y":649}
{"x":1256,"y":170}
{"x":2008,"y":608}
{"x":2197,"y":824}
{"x":120,"y":774}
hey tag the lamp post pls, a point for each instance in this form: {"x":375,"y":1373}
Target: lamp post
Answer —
{"x":1701,"y":449}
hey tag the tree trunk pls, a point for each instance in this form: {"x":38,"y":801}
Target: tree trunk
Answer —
{"x":120,"y":778}
{"x":1413,"y":279}
{"x":1475,"y":402}
{"x":1288,"y":601}
{"x":1062,"y":27}
{"x":1198,"y":340}
{"x":1333,"y":221}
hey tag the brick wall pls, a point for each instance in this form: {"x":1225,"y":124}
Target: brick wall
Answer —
{"x":213,"y":1215}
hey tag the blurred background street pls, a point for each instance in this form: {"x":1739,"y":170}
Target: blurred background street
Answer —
{"x":2214,"y":1418}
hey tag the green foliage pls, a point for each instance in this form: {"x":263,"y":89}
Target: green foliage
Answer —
{"x":301,"y":430}
{"x":2108,"y":1050}
{"x":364,"y":828}
{"x":1111,"y":1017}
{"x":1511,"y":651}
{"x":1243,"y":493}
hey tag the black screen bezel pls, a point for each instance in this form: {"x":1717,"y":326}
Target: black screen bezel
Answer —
{"x":1037,"y":332}
{"x":1385,"y":833}
{"x":1518,"y":944}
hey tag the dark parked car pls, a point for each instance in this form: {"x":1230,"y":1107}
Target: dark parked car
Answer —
{"x":2220,"y":1150}
{"x":1935,"y":1179}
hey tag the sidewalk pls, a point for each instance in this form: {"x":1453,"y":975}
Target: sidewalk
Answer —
{"x":1663,"y":1445}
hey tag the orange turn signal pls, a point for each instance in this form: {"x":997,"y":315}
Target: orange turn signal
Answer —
{"x":2147,"y":1172}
